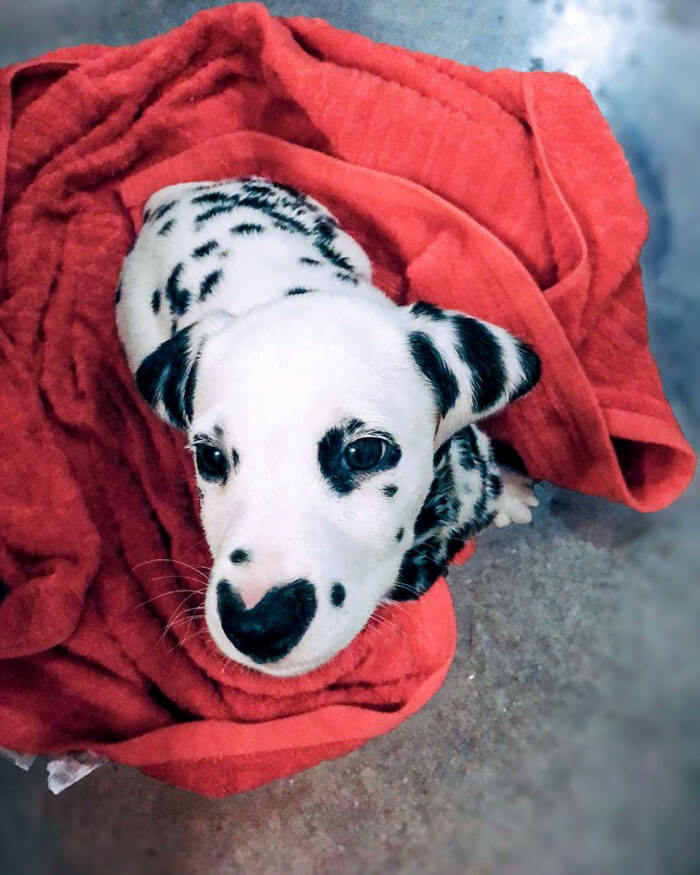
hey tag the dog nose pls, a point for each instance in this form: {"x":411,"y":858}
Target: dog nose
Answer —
{"x":269,"y":630}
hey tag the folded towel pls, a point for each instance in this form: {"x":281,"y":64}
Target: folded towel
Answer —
{"x":501,"y":194}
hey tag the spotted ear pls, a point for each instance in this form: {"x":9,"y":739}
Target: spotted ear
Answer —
{"x":473,"y":368}
{"x":167,"y":378}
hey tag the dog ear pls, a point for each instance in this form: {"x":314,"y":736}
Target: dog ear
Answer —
{"x":473,"y":368}
{"x":167,"y":377}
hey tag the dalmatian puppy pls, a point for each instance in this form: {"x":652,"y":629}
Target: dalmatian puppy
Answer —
{"x":336,"y":458}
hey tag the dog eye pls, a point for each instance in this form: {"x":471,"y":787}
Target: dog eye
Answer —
{"x":365,"y":453}
{"x":211,"y":463}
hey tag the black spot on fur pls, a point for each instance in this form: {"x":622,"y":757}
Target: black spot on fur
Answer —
{"x":205,"y":249}
{"x":166,"y":376}
{"x":167,"y":227}
{"x":532,"y":368}
{"x":298,"y":290}
{"x":347,"y":278}
{"x":331,"y":457}
{"x":495,"y":485}
{"x":399,"y":534}
{"x":310,"y":261}
{"x":178,"y":296}
{"x":239,"y":557}
{"x":247,"y":228}
{"x":213,"y":197}
{"x":420,"y":568}
{"x":235,"y":459}
{"x":423,"y":308}
{"x":390,"y":491}
{"x":219,"y":210}
{"x":160,"y":211}
{"x":337,"y":595}
{"x":481,"y":351}
{"x":442,"y":381}
{"x":209,"y":283}
{"x":155,"y":301}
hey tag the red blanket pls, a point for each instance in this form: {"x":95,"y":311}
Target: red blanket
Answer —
{"x":502,"y":194}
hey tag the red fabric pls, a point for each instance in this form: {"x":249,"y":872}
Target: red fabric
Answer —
{"x":502,"y":194}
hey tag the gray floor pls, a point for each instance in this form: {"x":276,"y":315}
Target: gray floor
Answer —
{"x":567,"y":736}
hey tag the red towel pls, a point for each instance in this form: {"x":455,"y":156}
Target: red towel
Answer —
{"x":502,"y":194}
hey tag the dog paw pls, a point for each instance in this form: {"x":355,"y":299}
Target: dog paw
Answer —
{"x":515,"y":502}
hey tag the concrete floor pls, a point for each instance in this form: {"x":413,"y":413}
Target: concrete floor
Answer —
{"x":567,"y":736}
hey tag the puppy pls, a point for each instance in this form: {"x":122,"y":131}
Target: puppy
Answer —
{"x":336,"y":458}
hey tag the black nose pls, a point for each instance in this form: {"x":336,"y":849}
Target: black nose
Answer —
{"x":268,"y":631}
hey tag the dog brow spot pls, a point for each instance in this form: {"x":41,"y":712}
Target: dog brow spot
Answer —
{"x":390,"y":490}
{"x":399,"y":534}
{"x":239,"y":557}
{"x":155,"y":301}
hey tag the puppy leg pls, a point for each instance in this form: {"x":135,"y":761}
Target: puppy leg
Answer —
{"x":517,"y":498}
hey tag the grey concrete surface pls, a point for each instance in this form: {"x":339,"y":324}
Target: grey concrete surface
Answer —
{"x":566,"y":738}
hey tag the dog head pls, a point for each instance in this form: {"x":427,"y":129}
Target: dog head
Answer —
{"x":313,"y":422}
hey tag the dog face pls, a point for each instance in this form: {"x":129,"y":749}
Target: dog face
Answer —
{"x":313,"y":422}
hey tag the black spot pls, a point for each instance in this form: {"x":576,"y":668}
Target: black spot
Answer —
{"x":331,"y":457}
{"x":205,"y":249}
{"x":274,"y":626}
{"x":495,"y":485}
{"x":390,"y":491}
{"x":298,"y":290}
{"x":347,"y":278}
{"x":214,"y":197}
{"x":177,"y":295}
{"x":481,"y":351}
{"x":442,"y":381}
{"x":423,"y":308}
{"x":235,"y":459}
{"x":420,"y":568}
{"x":167,"y":227}
{"x":167,"y":376}
{"x":288,"y":223}
{"x":312,"y":261}
{"x":532,"y":369}
{"x":337,"y":595}
{"x":160,"y":211}
{"x":238,"y":557}
{"x":247,"y":228}
{"x":209,"y":283}
{"x":219,"y":210}
{"x":118,"y":293}
{"x":173,"y":327}
{"x":324,"y":232}
{"x":155,"y":301}
{"x":146,"y":216}
{"x":399,"y":534}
